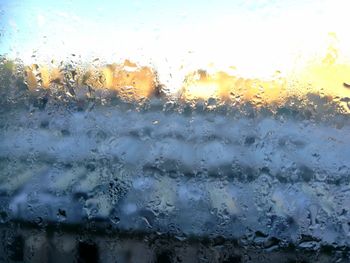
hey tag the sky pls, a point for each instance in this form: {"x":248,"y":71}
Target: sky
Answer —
{"x":256,"y":37}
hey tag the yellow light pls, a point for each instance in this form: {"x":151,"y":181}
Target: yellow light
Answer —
{"x":325,"y":75}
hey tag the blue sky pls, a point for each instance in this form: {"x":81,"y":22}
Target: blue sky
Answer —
{"x":172,"y":34}
{"x":26,"y":22}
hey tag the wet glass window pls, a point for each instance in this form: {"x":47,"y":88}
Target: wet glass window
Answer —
{"x":174,"y":131}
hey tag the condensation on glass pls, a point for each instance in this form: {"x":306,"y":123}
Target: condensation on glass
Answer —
{"x":174,"y":132}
